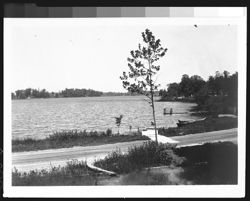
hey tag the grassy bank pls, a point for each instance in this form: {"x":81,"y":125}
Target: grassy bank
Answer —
{"x":211,"y":163}
{"x":66,"y":139}
{"x":209,"y":124}
{"x":74,"y":173}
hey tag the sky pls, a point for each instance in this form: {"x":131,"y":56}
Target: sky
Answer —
{"x":59,"y":54}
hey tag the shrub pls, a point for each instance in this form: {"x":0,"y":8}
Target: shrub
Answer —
{"x":108,"y":132}
{"x":148,"y":155}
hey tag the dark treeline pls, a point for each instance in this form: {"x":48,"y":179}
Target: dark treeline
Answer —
{"x":218,"y":94}
{"x":79,"y":93}
{"x":30,"y":93}
{"x":115,"y":94}
{"x":36,"y":93}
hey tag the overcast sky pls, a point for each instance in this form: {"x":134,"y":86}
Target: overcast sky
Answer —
{"x":56,"y":55}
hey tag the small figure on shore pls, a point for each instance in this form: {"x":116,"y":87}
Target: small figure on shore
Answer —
{"x":118,"y":121}
{"x":130,"y":128}
{"x":171,"y":111}
{"x":165,"y":111}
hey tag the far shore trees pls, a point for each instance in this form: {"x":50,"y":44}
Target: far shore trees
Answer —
{"x":142,"y":69}
{"x":68,"y":92}
{"x":219,"y":94}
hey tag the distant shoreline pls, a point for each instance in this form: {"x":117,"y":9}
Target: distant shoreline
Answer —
{"x":137,"y":95}
{"x":30,"y":93}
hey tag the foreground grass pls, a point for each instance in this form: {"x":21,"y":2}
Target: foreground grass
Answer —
{"x":74,"y":173}
{"x":66,"y":139}
{"x":211,"y":163}
{"x":210,"y":124}
{"x":162,"y":175}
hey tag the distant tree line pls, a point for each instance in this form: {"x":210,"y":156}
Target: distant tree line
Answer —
{"x":79,"y":93}
{"x":36,"y":93}
{"x":116,"y":94}
{"x":30,"y":93}
{"x":218,"y":94}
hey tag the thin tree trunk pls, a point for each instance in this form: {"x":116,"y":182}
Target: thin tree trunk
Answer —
{"x":153,"y":107}
{"x":152,"y":100}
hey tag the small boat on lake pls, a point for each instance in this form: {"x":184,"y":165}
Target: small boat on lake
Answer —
{"x":182,"y":123}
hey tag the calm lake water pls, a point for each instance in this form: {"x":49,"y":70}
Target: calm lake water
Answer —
{"x":38,"y":118}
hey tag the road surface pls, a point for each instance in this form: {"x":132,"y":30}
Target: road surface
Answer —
{"x":45,"y":159}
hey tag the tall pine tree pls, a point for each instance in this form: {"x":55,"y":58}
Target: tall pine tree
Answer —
{"x":142,"y":70}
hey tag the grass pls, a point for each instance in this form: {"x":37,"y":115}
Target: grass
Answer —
{"x":74,"y":173}
{"x":210,"y":124}
{"x":211,"y":163}
{"x":150,"y":176}
{"x":66,"y":139}
{"x":147,"y":155}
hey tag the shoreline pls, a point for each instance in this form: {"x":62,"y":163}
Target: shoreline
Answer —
{"x":209,"y":124}
{"x":67,"y":139}
{"x":120,"y":95}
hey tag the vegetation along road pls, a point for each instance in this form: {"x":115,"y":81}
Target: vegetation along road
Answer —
{"x":25,"y":161}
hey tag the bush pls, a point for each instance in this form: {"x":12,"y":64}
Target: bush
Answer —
{"x":148,"y":155}
{"x":108,"y":132}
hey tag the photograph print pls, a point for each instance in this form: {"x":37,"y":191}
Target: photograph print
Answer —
{"x":125,"y":102}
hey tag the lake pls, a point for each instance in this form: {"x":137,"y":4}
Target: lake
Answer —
{"x":38,"y":118}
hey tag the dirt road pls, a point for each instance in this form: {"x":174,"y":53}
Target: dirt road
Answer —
{"x":25,"y":161}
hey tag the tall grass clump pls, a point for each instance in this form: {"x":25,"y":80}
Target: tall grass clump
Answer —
{"x":74,"y":173}
{"x":148,"y":155}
